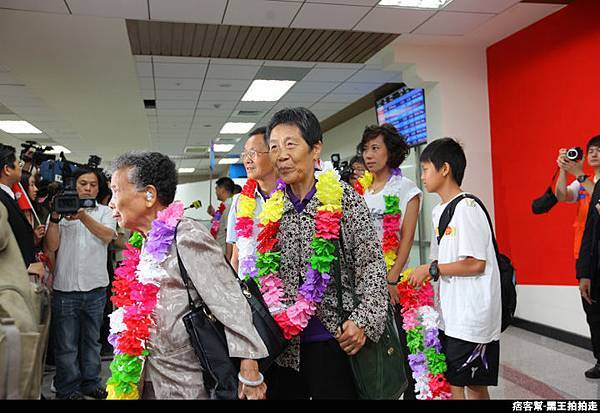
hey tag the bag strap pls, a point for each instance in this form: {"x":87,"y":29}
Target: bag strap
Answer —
{"x":199,"y":303}
{"x":337,"y":273}
{"x":448,"y":213}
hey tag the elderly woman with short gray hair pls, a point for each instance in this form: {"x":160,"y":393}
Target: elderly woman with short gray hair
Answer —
{"x":144,"y":186}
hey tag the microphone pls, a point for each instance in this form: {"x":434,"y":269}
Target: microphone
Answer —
{"x":197,"y":204}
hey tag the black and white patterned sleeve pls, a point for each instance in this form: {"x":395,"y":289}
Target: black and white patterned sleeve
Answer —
{"x":370,"y":270}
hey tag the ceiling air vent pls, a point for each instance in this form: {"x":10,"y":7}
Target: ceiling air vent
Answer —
{"x":192,"y":150}
{"x":249,"y":113}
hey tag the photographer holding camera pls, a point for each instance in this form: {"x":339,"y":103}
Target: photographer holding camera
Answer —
{"x":80,"y":242}
{"x":570,"y":161}
{"x":584,"y":191}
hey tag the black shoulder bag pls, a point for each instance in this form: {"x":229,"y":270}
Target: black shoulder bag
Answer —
{"x":207,"y":336}
{"x":547,"y":201}
{"x":378,"y":367}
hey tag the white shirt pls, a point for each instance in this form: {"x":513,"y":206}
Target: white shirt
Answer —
{"x":8,"y":190}
{"x":574,"y":189}
{"x":232,"y":237}
{"x":81,"y":257}
{"x":470,"y":307}
{"x":403,"y":188}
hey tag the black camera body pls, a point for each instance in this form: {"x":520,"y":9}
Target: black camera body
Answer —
{"x":68,"y":202}
{"x":575,"y":154}
{"x":343,"y":168}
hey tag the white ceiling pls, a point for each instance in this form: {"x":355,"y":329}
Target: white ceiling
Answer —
{"x":72,"y":75}
{"x":361,"y":15}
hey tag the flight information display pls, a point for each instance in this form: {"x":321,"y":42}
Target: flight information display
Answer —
{"x":405,"y":109}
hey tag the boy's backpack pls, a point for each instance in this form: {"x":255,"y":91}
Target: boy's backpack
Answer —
{"x":507,"y":271}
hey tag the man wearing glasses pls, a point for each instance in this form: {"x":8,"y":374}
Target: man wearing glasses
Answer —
{"x":258,"y":167}
{"x":10,"y":174}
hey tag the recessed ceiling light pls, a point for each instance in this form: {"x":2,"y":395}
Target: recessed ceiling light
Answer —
{"x":186,"y":170}
{"x":229,"y":161}
{"x":417,"y":4}
{"x":222,"y":147}
{"x":57,"y":149}
{"x":267,"y":90}
{"x":236,"y":128}
{"x":18,"y":126}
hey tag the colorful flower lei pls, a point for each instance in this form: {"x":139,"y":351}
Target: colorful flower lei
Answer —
{"x":215,"y":224}
{"x":245,"y":228}
{"x":264,"y":266}
{"x":426,"y":361}
{"x":135,"y":288}
{"x":391,"y":216}
{"x":364,"y":182}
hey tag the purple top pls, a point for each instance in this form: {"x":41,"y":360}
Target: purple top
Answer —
{"x":299,"y":205}
{"x":315,"y":331}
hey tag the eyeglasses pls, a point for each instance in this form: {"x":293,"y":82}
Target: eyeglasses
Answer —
{"x":251,"y":154}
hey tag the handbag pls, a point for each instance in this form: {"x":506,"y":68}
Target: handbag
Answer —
{"x":378,"y":367}
{"x":207,"y":336}
{"x":547,"y":201}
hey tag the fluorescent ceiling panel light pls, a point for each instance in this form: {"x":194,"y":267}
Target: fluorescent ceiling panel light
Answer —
{"x":222,"y":147}
{"x":236,"y":128}
{"x":416,"y":4}
{"x":57,"y":149}
{"x":18,"y":126}
{"x":186,"y":170}
{"x":229,"y":161}
{"x":267,"y":90}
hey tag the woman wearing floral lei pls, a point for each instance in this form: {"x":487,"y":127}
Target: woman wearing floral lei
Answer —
{"x":394,"y":203}
{"x":153,"y":354}
{"x":306,"y":216}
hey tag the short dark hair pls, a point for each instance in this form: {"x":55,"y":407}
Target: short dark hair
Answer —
{"x":446,"y":150}
{"x":237,"y":189}
{"x":304,"y":119}
{"x":25,"y":175}
{"x":356,"y":159}
{"x":226,"y":183}
{"x":261,"y":130}
{"x":7,"y":156}
{"x":395,"y":143}
{"x":83,"y":171}
{"x":150,"y":168}
{"x":595,"y":141}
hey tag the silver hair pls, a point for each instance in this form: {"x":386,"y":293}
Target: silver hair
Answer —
{"x":150,"y":168}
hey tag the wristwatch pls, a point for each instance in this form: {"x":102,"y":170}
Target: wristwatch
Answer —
{"x":581,"y":178}
{"x":434,"y":270}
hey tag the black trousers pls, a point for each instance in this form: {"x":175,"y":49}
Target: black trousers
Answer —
{"x":592,"y":312}
{"x":409,"y":393}
{"x":324,"y":374}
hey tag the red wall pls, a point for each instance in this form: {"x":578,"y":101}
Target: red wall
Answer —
{"x":544,"y":90}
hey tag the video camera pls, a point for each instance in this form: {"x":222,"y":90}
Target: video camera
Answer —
{"x":343,"y":168}
{"x":58,"y":184}
{"x":34,"y":154}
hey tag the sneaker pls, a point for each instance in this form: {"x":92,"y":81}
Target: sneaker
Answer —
{"x":98,"y":394}
{"x":593,"y":373}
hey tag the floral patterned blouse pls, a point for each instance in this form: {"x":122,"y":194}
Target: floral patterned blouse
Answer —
{"x":363,"y":258}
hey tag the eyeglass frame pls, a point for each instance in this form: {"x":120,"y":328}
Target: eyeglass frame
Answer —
{"x":252,"y":158}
